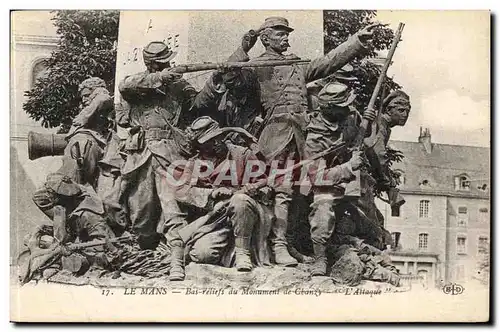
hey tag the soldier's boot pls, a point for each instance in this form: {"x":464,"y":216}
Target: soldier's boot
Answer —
{"x":177,"y":272}
{"x":319,"y":266}
{"x":282,"y":256}
{"x":280,"y":246}
{"x":243,"y":261}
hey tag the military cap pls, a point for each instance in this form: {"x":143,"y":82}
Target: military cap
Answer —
{"x":336,"y":94}
{"x":205,"y":128}
{"x":62,"y":185}
{"x":345,"y":73}
{"x":276,"y":22}
{"x":158,"y":51}
{"x":399,"y":96}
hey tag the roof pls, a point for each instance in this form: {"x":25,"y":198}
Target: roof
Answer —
{"x":441,"y":166}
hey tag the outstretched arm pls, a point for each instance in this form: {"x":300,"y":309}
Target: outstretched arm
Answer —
{"x":142,"y":84}
{"x":341,"y":55}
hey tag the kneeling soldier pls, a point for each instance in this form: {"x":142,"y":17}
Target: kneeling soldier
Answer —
{"x":244,"y":217}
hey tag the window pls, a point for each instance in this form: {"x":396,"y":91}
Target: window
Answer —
{"x":395,"y":239}
{"x":401,"y":175}
{"x":462,"y":182}
{"x":483,"y":187}
{"x":460,"y":274}
{"x":461,"y":245}
{"x":396,"y":211}
{"x":424,"y":183}
{"x":463,"y":216}
{"x":482,"y":245}
{"x":39,"y":70}
{"x":483,"y":215}
{"x":423,"y":241}
{"x":423,"y":211}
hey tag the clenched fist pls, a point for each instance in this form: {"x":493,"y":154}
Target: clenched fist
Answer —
{"x":248,"y":41}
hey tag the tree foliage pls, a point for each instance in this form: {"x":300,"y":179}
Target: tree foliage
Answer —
{"x":87,"y":47}
{"x":338,"y":26}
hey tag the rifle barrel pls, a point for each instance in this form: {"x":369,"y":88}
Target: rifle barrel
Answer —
{"x":365,"y":123}
{"x":194,"y":67}
{"x":79,"y":246}
{"x":304,"y":162}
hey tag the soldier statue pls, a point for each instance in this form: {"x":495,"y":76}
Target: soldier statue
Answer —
{"x":285,"y":105}
{"x":159,"y":100}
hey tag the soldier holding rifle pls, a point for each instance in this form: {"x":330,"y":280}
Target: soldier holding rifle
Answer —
{"x":395,"y":111}
{"x":328,"y":126}
{"x":158,"y":98}
{"x":246,"y":217}
{"x":285,"y":104}
{"x":231,"y":96}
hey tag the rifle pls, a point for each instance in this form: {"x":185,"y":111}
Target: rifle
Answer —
{"x":260,"y":184}
{"x":334,"y":148}
{"x":358,"y":143}
{"x":36,"y":259}
{"x":194,"y":67}
{"x":353,"y":187}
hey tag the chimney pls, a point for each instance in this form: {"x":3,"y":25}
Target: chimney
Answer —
{"x":425,"y":139}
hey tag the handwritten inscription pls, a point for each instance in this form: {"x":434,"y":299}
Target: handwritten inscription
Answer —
{"x":172,"y":41}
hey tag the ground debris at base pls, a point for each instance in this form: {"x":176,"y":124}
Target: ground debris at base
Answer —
{"x":211,"y":276}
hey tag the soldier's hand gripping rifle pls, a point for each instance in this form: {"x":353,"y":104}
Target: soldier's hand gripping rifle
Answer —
{"x":218,"y":213}
{"x":353,"y":187}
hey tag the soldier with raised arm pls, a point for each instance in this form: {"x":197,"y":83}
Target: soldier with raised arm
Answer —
{"x":285,"y":105}
{"x":87,"y":135}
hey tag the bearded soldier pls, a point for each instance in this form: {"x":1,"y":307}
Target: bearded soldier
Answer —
{"x":158,"y":99}
{"x":285,"y":104}
{"x":87,"y":135}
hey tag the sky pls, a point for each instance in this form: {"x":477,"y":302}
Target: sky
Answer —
{"x":443,"y":62}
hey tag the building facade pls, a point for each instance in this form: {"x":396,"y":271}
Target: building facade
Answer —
{"x":443,"y":229}
{"x":33,"y":38}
